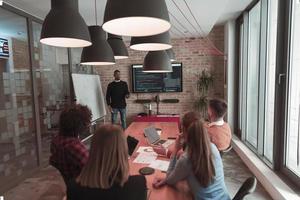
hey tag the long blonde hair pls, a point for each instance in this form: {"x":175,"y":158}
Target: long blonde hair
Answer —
{"x":108,"y":159}
{"x":200,"y":154}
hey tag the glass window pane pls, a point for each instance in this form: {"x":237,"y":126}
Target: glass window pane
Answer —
{"x":270,"y":79}
{"x":293,"y":128}
{"x":18,"y":153}
{"x":52,"y":79}
{"x":241,"y":60}
{"x":253,"y":74}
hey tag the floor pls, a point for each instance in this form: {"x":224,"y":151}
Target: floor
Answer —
{"x":48,"y":185}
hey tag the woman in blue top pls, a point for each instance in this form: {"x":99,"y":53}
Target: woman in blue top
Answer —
{"x":200,"y":164}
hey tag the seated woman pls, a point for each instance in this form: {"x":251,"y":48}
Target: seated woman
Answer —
{"x":187,"y":120}
{"x":218,"y":130}
{"x":68,"y":154}
{"x":106,"y":173}
{"x":201,"y":165}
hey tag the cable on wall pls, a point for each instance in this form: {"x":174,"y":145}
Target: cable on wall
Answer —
{"x":185,"y":29}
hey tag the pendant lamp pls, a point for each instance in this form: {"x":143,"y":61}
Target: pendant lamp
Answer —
{"x":136,"y":17}
{"x":100,"y":53}
{"x":118,"y":46}
{"x":151,"y":43}
{"x":157,"y":62}
{"x":64,"y":26}
{"x":171,"y":54}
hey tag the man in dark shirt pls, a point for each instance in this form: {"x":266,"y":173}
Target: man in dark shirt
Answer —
{"x":116,"y":93}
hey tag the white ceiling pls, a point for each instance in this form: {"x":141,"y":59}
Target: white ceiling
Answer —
{"x":189,"y":18}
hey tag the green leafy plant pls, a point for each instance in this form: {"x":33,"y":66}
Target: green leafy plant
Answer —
{"x":204,"y":82}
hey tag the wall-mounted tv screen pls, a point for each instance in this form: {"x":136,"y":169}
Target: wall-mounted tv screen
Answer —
{"x":4,"y":52}
{"x":156,"y":82}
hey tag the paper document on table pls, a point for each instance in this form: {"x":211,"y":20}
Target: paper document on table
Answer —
{"x":160,"y":165}
{"x":146,"y":150}
{"x":144,"y":158}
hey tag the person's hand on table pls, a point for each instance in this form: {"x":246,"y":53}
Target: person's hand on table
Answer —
{"x":160,"y":150}
{"x":158,"y":182}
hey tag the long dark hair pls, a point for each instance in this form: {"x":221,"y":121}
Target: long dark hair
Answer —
{"x":199,"y":151}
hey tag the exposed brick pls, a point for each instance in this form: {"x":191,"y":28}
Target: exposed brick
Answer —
{"x":196,"y":54}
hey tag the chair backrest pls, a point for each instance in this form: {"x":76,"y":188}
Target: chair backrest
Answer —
{"x":248,"y":187}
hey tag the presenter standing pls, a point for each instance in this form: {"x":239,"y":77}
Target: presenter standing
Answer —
{"x":116,"y":93}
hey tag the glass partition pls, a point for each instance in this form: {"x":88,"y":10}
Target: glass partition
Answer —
{"x":18,"y":153}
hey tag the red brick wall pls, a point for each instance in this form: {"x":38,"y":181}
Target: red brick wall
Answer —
{"x":195,"y":55}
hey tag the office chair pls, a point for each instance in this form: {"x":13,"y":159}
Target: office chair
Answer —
{"x":248,"y":187}
{"x":222,"y":152}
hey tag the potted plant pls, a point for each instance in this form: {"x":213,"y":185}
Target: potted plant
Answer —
{"x":204,"y":83}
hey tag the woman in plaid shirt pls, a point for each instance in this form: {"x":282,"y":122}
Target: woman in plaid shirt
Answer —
{"x":68,"y":153}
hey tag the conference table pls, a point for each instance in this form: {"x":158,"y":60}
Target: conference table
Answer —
{"x":169,"y":129}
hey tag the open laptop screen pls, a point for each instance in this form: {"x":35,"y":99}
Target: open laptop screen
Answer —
{"x":132,"y":143}
{"x":151,"y":134}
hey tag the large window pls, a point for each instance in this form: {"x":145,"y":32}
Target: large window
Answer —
{"x":292,"y":161}
{"x":269,"y":60}
{"x":253,"y":74}
{"x":257,"y":66}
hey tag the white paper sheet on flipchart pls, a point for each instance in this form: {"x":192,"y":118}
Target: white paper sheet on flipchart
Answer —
{"x":160,"y":165}
{"x":144,"y":158}
{"x":146,"y":150}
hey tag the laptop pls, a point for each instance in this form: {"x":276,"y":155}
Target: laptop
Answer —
{"x":131,"y":143}
{"x":154,"y":138}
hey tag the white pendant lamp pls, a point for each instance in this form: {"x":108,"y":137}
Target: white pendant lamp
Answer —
{"x":64,"y":26}
{"x":157,"y":62}
{"x":151,"y":43}
{"x":136,"y":17}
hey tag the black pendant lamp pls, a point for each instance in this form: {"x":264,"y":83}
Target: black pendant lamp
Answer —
{"x":100,"y":53}
{"x":64,"y":26}
{"x":157,"y":62}
{"x":151,"y":43}
{"x":118,"y":46}
{"x":171,"y":54}
{"x":136,"y":17}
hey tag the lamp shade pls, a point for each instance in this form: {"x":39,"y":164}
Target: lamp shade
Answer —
{"x":151,"y":43}
{"x":136,"y":17}
{"x":118,"y":46}
{"x":100,"y":53}
{"x":64,"y":26}
{"x":171,"y":54}
{"x":157,"y":62}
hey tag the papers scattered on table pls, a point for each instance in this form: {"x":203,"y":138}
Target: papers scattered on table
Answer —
{"x":160,"y":165}
{"x":146,"y":150}
{"x":144,"y":158}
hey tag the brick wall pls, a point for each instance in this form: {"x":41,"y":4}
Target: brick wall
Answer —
{"x":195,"y":54}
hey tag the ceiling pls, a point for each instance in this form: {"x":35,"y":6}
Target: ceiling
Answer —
{"x":189,"y":18}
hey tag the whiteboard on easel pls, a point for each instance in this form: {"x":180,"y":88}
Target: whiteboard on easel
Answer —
{"x":88,"y":91}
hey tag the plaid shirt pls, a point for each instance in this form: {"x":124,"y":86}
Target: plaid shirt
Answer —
{"x":68,"y":155}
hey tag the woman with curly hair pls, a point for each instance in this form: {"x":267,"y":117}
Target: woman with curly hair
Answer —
{"x":68,"y":153}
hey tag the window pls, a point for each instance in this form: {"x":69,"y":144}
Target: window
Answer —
{"x":292,"y":161}
{"x":253,"y":75}
{"x":257,"y":64}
